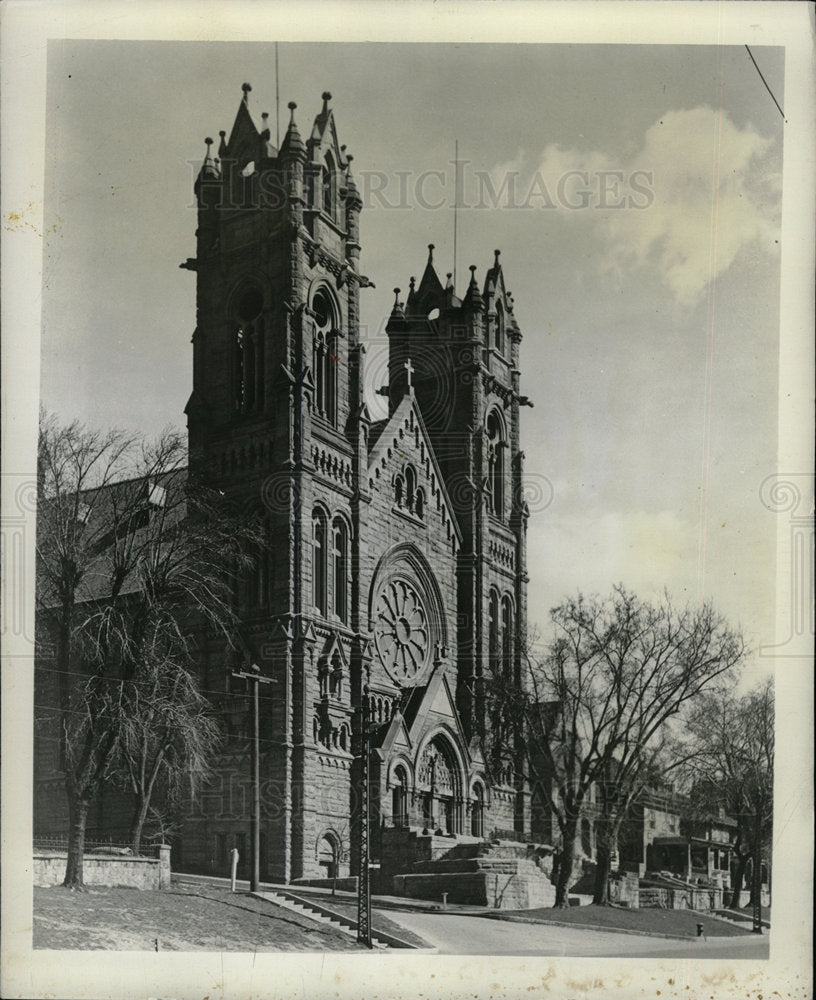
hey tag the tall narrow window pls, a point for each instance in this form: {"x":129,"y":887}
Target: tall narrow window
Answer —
{"x":496,"y":463}
{"x":319,"y":563}
{"x":248,"y":352}
{"x":499,"y":335}
{"x":477,"y":812}
{"x":325,"y":356}
{"x":327,"y":185}
{"x":507,"y":637}
{"x":493,"y":629}
{"x":340,"y":554}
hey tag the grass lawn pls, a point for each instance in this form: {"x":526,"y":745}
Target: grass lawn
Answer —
{"x":183,"y":918}
{"x":676,"y":922}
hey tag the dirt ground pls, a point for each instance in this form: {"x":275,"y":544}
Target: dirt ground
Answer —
{"x":183,"y":918}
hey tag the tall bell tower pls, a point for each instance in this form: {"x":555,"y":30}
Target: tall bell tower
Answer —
{"x":276,"y":419}
{"x":462,"y":355}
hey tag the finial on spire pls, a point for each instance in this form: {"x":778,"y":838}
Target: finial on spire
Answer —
{"x":349,"y":157}
{"x":246,"y":87}
{"x":326,"y":98}
{"x":291,"y":105}
{"x":412,"y":283}
{"x":264,"y":115}
{"x":496,"y":261}
{"x":396,"y":297}
{"x":208,"y":142}
{"x":472,"y":270}
{"x":449,"y":283}
{"x":431,"y":249}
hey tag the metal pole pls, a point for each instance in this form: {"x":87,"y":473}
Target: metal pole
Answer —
{"x":363,"y":885}
{"x":254,"y":676}
{"x":255,"y":808}
{"x":757,"y":876}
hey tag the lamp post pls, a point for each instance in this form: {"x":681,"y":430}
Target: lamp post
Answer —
{"x":363,"y":885}
{"x":254,"y":676}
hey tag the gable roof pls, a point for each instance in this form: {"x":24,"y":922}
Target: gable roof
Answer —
{"x":378,"y":456}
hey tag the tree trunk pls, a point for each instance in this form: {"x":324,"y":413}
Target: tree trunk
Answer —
{"x":140,"y":808}
{"x":78,"y":806}
{"x":603,"y":864}
{"x":739,"y":881}
{"x":563,"y":879}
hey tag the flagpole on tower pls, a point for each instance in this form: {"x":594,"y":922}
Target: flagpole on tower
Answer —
{"x":277,"y":100}
{"x":455,"y":202}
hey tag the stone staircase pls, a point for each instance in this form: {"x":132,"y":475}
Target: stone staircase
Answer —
{"x":500,"y":874}
{"x":321,"y":914}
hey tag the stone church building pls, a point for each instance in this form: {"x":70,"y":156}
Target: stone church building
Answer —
{"x":396,"y":547}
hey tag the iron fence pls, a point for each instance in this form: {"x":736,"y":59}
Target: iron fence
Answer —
{"x":94,"y":844}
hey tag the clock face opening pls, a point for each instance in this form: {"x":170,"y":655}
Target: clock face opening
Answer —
{"x":401,"y":630}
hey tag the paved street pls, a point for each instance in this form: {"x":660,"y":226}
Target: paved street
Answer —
{"x":460,"y":935}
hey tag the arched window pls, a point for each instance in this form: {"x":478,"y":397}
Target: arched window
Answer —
{"x":477,"y":812}
{"x":410,"y":487}
{"x":248,"y":352}
{"x":327,"y":186}
{"x":324,"y":358}
{"x":399,"y":490}
{"x":507,"y":637}
{"x":340,"y":561}
{"x":496,"y":446}
{"x":399,"y":797}
{"x":499,"y":330}
{"x":493,"y":630}
{"x":419,"y":504}
{"x":319,"y":563}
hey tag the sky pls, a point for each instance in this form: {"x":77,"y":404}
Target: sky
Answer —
{"x":633,"y":190}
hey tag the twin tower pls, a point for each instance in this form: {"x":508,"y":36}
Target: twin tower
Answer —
{"x":395,"y":552}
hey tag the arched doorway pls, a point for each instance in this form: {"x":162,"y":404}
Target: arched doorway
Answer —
{"x":327,"y":857}
{"x":439,"y":780}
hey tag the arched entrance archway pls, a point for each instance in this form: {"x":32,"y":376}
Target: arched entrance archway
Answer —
{"x":327,"y":857}
{"x":440,"y":783}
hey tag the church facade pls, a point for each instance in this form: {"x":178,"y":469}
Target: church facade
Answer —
{"x":393,"y":577}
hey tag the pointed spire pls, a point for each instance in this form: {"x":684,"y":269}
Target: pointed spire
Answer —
{"x":292,"y":144}
{"x":222,"y":146}
{"x":246,"y":87}
{"x":473,"y":298}
{"x":397,"y":310}
{"x":430,"y":288}
{"x":353,"y":199}
{"x":208,"y":167}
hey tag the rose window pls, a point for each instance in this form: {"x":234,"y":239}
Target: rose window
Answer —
{"x":401,"y":630}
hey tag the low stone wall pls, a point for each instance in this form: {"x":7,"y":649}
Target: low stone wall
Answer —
{"x":503,"y":891}
{"x":104,"y":869}
{"x":680,"y":898}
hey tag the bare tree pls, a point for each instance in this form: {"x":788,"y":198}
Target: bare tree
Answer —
{"x":593,"y":710}
{"x":731,"y":757}
{"x":133,"y":561}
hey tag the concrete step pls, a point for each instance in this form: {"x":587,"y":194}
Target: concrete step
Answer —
{"x":318,"y":913}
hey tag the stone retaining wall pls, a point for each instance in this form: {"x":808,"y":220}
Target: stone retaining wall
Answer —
{"x":138,"y":873}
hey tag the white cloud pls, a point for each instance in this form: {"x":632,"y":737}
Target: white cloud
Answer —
{"x":698,"y":192}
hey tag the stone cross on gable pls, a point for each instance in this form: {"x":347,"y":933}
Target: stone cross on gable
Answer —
{"x":409,"y":371}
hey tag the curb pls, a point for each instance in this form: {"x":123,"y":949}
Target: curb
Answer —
{"x":594,"y":927}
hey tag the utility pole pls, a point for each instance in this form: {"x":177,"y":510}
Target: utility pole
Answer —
{"x":363,"y":885}
{"x":254,"y":676}
{"x":756,"y":875}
